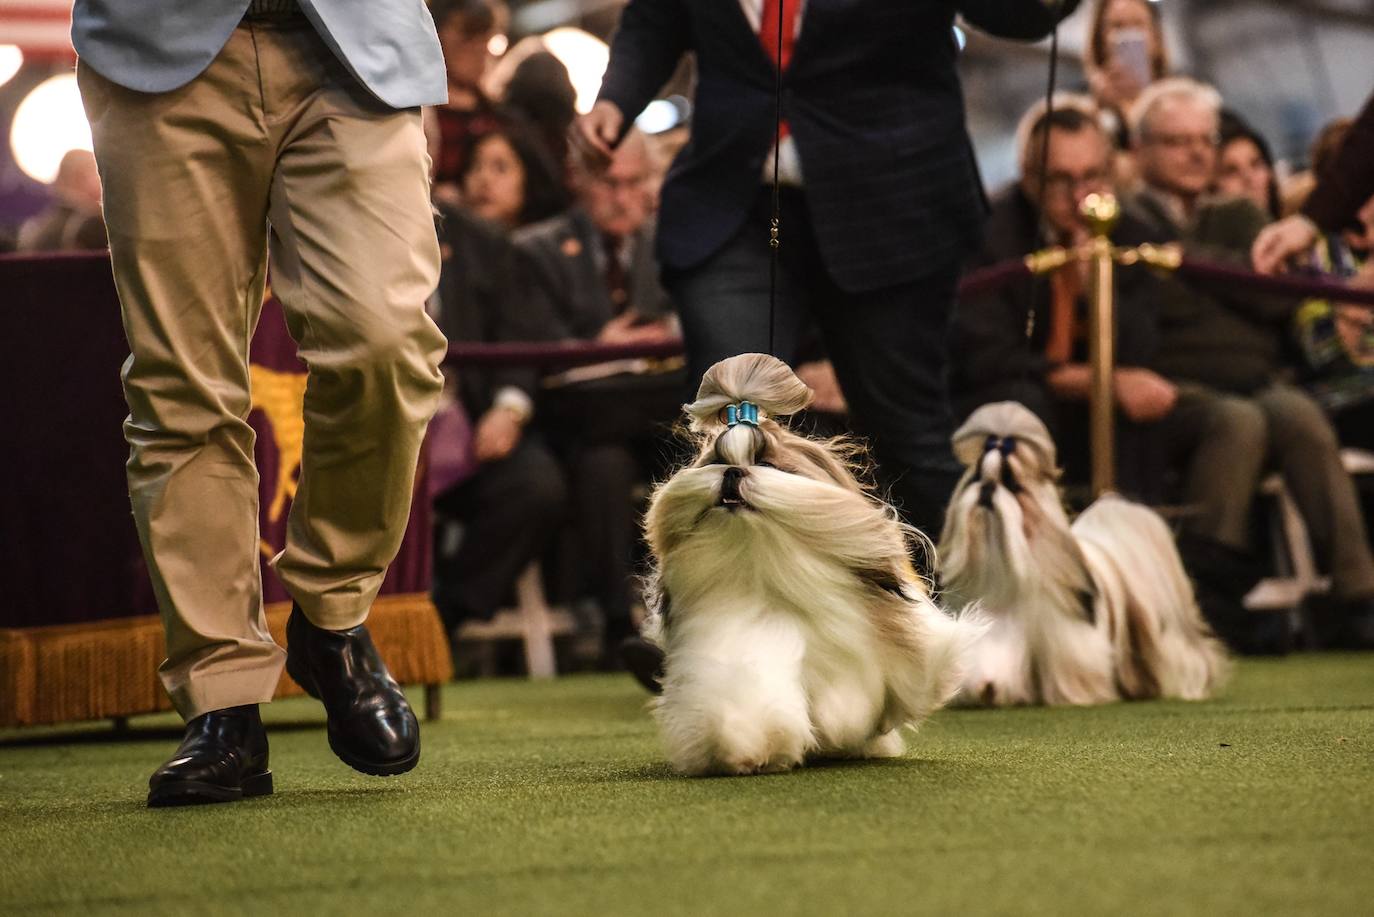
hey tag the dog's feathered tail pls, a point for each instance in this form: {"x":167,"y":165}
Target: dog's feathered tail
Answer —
{"x":1165,"y":648}
{"x":927,"y":651}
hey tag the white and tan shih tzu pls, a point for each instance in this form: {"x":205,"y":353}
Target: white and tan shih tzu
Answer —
{"x":792,"y":622}
{"x":1084,"y":613}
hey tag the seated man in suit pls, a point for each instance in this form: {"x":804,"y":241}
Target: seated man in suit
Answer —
{"x":991,"y":360}
{"x":1223,"y":349}
{"x":509,"y":492}
{"x":594,"y":277}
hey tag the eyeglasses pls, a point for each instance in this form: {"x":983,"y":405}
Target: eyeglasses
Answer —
{"x":613,"y":185}
{"x":1181,"y":141}
{"x":1067,"y":183}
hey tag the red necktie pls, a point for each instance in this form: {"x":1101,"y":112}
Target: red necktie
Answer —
{"x":617,"y":278}
{"x":768,"y":34}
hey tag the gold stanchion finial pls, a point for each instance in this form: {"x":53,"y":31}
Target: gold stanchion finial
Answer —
{"x":1100,"y":212}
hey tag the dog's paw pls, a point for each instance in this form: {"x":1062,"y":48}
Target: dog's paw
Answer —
{"x":749,"y":766}
{"x":888,"y":745}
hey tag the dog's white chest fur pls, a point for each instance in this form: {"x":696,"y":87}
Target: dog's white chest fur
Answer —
{"x":763,"y":671}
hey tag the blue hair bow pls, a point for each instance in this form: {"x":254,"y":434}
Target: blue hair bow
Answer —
{"x":746,"y":412}
{"x":1006,"y":445}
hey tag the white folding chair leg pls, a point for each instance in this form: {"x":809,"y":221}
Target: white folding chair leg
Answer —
{"x":535,"y":618}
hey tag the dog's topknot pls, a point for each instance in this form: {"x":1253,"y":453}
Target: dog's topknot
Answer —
{"x":757,"y":377}
{"x":1004,"y":419}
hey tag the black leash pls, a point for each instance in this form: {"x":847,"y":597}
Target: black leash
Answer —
{"x":773,"y":241}
{"x":1044,"y":162}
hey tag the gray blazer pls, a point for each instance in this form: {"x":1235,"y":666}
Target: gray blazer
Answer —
{"x":157,"y":46}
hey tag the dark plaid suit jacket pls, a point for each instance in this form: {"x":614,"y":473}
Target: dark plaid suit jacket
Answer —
{"x":873,"y":99}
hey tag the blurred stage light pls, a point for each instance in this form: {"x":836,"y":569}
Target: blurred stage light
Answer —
{"x":585,"y":56}
{"x":663,"y":114}
{"x":49,"y":122}
{"x":498,"y":45}
{"x":11,"y":59}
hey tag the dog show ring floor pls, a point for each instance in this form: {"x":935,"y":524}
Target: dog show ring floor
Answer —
{"x":552,"y":798}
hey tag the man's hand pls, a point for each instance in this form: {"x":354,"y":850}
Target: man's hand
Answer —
{"x":1144,"y":396}
{"x":819,"y":375}
{"x":593,"y":135}
{"x":629,"y":328}
{"x":498,"y":433}
{"x":1280,"y":241}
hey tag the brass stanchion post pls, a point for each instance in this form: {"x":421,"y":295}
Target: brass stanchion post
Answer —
{"x":1101,"y":211}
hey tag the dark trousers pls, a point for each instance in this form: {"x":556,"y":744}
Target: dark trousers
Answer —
{"x":611,"y":435}
{"x":510,"y":509}
{"x":887,"y":346}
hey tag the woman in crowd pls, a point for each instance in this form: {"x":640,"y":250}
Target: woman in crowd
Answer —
{"x":531,"y":82}
{"x":1245,"y":167}
{"x":466,"y":29}
{"x":1337,"y":339}
{"x":504,"y":487}
{"x":509,"y":178}
{"x":1125,"y":53}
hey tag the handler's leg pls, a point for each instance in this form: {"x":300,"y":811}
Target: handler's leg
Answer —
{"x":354,"y":257}
{"x":888,"y":349}
{"x":185,"y":178}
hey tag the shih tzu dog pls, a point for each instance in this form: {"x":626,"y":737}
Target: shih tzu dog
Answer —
{"x":1087,"y":613}
{"x":792,"y":621}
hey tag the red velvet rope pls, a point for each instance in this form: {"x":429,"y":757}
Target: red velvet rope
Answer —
{"x":554,"y":353}
{"x":975,"y":283}
{"x":1292,"y":285}
{"x":984,"y":280}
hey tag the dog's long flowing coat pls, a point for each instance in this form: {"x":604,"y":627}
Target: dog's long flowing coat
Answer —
{"x":1085,"y":613}
{"x":783,"y":595}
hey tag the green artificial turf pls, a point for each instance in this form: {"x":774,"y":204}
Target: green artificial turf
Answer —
{"x":552,"y":798}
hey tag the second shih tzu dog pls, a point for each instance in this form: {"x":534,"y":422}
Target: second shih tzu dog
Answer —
{"x":792,"y":622}
{"x":1082,"y":613}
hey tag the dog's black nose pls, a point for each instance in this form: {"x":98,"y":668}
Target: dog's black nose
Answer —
{"x":729,"y":485}
{"x":985,"y":492}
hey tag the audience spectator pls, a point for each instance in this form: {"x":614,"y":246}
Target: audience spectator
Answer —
{"x":541,"y":91}
{"x":1125,"y":53}
{"x":73,"y":221}
{"x":511,"y":497}
{"x":595,"y":278}
{"x":1245,"y":167}
{"x":1223,"y":349}
{"x":991,"y":358}
{"x":509,"y":178}
{"x":1337,"y":339}
{"x":466,"y":28}
{"x":1342,"y":188}
{"x":1299,"y":186}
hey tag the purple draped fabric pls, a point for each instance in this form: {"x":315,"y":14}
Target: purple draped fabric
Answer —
{"x":68,"y":548}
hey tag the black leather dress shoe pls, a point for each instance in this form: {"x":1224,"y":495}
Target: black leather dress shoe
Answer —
{"x":222,"y":758}
{"x":371,"y":726}
{"x":645,"y":662}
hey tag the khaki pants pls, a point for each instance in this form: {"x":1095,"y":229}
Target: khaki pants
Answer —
{"x":274,"y":146}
